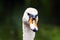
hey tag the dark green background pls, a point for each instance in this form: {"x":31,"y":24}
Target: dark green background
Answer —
{"x":11,"y":12}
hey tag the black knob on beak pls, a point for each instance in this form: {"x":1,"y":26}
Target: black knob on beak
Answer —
{"x":34,"y":30}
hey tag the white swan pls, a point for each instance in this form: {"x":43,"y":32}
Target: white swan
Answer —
{"x":29,"y":23}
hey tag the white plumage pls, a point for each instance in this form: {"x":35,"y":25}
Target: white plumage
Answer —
{"x":28,"y":25}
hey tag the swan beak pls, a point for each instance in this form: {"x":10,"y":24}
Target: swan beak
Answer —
{"x":30,"y":20}
{"x":33,"y":24}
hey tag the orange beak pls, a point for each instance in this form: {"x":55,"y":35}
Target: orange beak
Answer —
{"x":31,"y":21}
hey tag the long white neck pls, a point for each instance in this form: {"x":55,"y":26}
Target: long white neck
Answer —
{"x":28,"y":34}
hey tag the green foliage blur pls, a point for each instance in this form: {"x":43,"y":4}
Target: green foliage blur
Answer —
{"x":11,"y":12}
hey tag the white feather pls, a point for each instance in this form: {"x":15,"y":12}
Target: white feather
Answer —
{"x":28,"y":34}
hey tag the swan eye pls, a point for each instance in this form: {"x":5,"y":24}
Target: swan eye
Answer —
{"x":30,"y":15}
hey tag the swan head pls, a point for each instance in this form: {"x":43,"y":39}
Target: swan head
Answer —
{"x":31,"y":16}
